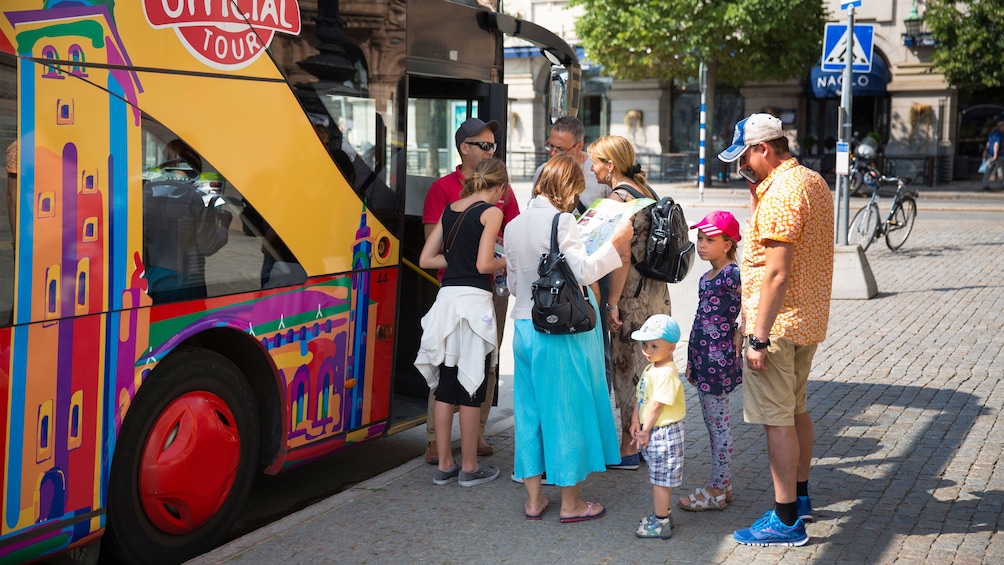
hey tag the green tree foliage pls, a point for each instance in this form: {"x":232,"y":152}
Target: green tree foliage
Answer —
{"x":746,"y":40}
{"x":970,"y":41}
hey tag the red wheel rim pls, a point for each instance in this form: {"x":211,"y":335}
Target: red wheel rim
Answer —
{"x":189,"y":463}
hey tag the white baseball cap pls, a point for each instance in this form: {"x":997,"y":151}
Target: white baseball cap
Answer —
{"x":755,"y":129}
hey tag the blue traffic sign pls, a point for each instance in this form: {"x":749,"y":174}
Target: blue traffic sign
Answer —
{"x":844,"y":4}
{"x":836,"y":48}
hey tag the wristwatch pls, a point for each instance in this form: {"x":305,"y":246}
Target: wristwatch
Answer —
{"x":758,"y":345}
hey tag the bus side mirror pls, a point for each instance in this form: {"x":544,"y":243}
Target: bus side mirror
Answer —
{"x":566,"y":84}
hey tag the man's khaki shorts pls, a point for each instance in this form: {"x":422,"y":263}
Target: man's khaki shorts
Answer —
{"x":774,"y":396}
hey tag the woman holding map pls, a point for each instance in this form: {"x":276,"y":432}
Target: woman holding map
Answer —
{"x":633,"y":298}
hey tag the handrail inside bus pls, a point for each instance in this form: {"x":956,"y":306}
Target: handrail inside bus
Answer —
{"x":420,"y":271}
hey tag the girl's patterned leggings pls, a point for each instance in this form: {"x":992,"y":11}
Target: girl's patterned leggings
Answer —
{"x":716,"y":417}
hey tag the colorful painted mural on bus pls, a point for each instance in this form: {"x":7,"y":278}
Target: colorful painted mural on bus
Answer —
{"x":112,"y":401}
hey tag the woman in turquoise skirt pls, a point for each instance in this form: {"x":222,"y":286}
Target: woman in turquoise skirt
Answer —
{"x":564,"y":423}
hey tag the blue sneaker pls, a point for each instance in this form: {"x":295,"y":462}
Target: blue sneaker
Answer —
{"x":770,"y":530}
{"x":628,"y":462}
{"x":803,"y":505}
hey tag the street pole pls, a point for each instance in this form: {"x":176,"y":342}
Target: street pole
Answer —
{"x":701,"y":169}
{"x":844,"y":131}
{"x":852,"y":277}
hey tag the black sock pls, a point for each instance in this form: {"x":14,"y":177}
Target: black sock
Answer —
{"x":662,"y":517}
{"x":786,"y":512}
{"x":802,"y":488}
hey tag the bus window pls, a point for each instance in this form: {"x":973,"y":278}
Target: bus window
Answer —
{"x":192,"y":246}
{"x":330,"y":76}
{"x":8,"y":134}
{"x":432,"y":152}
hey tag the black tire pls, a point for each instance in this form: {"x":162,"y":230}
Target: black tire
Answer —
{"x":901,"y":223}
{"x":201,"y":391}
{"x":864,"y":227}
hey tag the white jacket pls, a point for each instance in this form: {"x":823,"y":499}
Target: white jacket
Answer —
{"x":528,"y":236}
{"x":458,"y":331}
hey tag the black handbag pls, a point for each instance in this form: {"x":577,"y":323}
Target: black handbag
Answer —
{"x":560,"y":304}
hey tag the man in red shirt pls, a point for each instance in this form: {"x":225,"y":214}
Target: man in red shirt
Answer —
{"x":475,"y":143}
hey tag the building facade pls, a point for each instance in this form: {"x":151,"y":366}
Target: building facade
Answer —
{"x":926,"y":128}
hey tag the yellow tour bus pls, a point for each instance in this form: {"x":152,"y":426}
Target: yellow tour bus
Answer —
{"x":207,"y":255}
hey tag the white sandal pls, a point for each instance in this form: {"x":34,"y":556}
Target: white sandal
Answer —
{"x":706,"y":502}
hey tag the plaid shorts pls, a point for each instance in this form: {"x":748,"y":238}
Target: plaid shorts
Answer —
{"x":664,"y":455}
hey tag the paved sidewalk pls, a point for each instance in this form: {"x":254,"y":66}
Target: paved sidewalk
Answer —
{"x":906,"y":394}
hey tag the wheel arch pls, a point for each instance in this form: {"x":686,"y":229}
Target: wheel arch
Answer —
{"x":257,"y":367}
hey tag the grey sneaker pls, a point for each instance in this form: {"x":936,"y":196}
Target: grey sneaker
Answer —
{"x":481,"y":476}
{"x":652,"y":527}
{"x":446,"y":477}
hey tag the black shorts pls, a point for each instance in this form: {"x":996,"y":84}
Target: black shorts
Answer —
{"x":451,"y":391}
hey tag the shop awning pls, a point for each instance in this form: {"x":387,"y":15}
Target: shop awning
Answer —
{"x":828,"y":85}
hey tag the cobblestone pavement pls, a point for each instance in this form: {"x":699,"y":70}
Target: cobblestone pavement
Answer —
{"x":906,"y":395}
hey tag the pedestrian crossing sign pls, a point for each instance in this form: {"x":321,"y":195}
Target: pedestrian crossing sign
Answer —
{"x":835,"y":48}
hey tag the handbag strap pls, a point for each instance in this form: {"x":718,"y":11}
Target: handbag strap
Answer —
{"x":555,"y":251}
{"x":456,"y":227}
{"x":554,"y":233}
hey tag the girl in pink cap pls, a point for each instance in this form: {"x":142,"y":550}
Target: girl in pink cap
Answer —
{"x":713,"y":362}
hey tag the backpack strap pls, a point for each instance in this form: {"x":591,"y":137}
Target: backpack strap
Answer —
{"x":635,"y":193}
{"x":630,"y":190}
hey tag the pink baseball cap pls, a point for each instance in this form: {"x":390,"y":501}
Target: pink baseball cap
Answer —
{"x":719,"y":222}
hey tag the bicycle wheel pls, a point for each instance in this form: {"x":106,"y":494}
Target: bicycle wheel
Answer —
{"x":901,"y":223}
{"x":864,"y":227}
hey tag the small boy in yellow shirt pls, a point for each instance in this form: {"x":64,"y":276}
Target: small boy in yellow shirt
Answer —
{"x":657,"y":426}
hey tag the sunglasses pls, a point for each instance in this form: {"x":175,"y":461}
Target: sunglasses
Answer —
{"x":483,"y":145}
{"x":555,"y":149}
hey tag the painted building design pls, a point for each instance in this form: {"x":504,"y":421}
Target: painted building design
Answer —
{"x":85,"y":334}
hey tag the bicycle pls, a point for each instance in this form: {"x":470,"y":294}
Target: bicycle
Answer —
{"x":866,"y":226}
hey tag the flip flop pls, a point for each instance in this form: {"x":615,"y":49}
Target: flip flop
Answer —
{"x":539,"y":515}
{"x":585,"y":515}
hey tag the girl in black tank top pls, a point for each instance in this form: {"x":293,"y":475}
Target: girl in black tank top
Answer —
{"x":463,"y":243}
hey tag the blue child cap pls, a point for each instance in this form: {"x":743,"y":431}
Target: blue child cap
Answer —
{"x":659,"y":326}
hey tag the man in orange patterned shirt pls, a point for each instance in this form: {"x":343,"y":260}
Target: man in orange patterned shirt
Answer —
{"x":787,"y":275}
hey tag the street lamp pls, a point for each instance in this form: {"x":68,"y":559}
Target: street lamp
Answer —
{"x":914,"y":23}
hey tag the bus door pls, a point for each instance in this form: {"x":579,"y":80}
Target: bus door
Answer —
{"x":435,"y":109}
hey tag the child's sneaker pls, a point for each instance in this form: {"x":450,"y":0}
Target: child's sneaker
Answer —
{"x":770,"y":530}
{"x":446,"y":477}
{"x":481,"y":476}
{"x":652,"y":527}
{"x":803,"y":505}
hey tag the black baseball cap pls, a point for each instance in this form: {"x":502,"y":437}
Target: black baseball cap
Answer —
{"x":472,"y":127}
